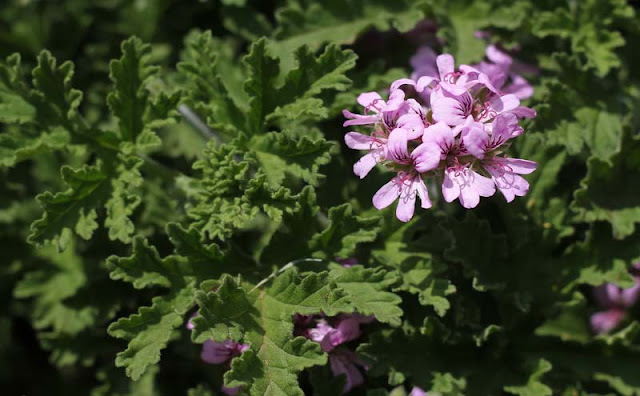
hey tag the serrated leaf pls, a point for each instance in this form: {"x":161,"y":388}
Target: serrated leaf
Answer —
{"x":608,"y":192}
{"x":533,"y":387}
{"x":263,"y":72}
{"x":66,"y":211}
{"x":129,"y":99}
{"x":344,"y":233}
{"x":312,"y":23}
{"x":144,"y":267}
{"x":149,"y":331}
{"x":589,"y":27}
{"x":16,"y":146}
{"x":285,"y":158}
{"x":207,"y":90}
{"x":419,"y":274}
{"x":366,"y":288}
{"x":597,"y":129}
{"x":124,"y":200}
{"x":54,"y":98}
{"x":14,"y":109}
{"x":263,"y":319}
{"x":50,"y":286}
{"x":461,"y":20}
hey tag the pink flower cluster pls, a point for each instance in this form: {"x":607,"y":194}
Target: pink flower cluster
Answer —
{"x":331,"y":333}
{"x":616,"y":302}
{"x":454,"y":127}
{"x":220,"y":353}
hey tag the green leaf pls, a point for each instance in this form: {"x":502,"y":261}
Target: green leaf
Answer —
{"x":366,"y":288}
{"x":533,"y":387}
{"x":609,"y":192}
{"x":263,"y":72}
{"x":313,"y":23}
{"x":460,"y":21}
{"x":54,"y":98}
{"x":589,"y":25}
{"x":263,"y":319}
{"x":597,"y":129}
{"x":149,"y":331}
{"x":14,"y":109}
{"x":129,"y":99}
{"x":17,"y":146}
{"x":123,"y":200}
{"x":419,"y":274}
{"x":312,"y":77}
{"x":285,"y":158}
{"x":74,"y":209}
{"x":344,"y":233}
{"x":59,"y":279}
{"x":144,"y":267}
{"x":208,"y":92}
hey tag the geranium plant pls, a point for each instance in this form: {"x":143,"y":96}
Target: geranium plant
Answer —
{"x":319,"y":197}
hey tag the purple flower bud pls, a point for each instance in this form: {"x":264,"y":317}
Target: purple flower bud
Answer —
{"x":344,"y":361}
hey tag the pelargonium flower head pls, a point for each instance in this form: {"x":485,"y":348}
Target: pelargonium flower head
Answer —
{"x":457,"y":133}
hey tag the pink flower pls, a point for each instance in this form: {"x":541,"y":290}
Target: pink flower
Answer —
{"x":347,"y":329}
{"x":449,"y":108}
{"x":345,"y":362}
{"x":605,"y":321}
{"x":221,"y":352}
{"x":505,"y":174}
{"x":405,"y":186}
{"x":377,"y":146}
{"x":455,"y":82}
{"x":424,"y":63}
{"x":455,"y":129}
{"x":418,"y":392}
{"x":395,"y":112}
{"x":466,"y":185}
{"x":499,"y":70}
{"x":616,"y":301}
{"x":347,"y":262}
{"x":230,"y":391}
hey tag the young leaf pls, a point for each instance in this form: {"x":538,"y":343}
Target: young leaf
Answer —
{"x":129,"y":99}
{"x":74,"y":209}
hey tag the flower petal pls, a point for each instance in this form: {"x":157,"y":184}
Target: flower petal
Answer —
{"x":366,"y":163}
{"x":475,"y":139}
{"x":359,"y":141}
{"x":366,"y":99}
{"x":446,"y":65}
{"x":359,"y":119}
{"x":603,"y":322}
{"x":423,"y":193}
{"x":397,"y":146}
{"x":403,"y":81}
{"x":406,"y":203}
{"x":387,"y":194}
{"x":426,"y":157}
{"x":450,"y":189}
{"x":520,"y":166}
{"x":497,"y":56}
{"x":215,"y":352}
